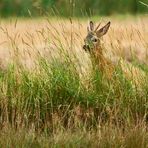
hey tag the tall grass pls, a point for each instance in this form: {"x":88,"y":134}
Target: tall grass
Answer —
{"x":55,"y":106}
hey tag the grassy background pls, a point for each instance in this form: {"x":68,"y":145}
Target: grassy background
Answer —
{"x":70,"y":7}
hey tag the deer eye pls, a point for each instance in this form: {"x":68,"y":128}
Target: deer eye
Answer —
{"x":94,"y":40}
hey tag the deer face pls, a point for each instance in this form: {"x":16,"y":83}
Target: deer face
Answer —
{"x":93,"y":36}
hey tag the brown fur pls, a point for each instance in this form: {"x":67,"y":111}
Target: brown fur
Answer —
{"x":92,"y":44}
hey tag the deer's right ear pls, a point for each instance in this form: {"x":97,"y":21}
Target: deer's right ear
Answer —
{"x":103,"y":30}
{"x":90,"y":26}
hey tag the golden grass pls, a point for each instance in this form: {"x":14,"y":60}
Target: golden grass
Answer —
{"x":126,"y":38}
{"x":55,"y":104}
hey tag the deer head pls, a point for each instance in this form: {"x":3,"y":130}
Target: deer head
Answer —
{"x":92,"y":39}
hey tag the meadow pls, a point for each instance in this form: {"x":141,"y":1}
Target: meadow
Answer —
{"x":50,"y":96}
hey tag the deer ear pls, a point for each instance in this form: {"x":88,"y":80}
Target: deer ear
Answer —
{"x":90,"y":26}
{"x":103,"y":30}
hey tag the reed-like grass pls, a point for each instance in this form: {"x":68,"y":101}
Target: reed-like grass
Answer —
{"x":59,"y":104}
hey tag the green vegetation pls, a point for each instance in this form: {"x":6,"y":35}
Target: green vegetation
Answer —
{"x":70,"y":7}
{"x":54,"y":107}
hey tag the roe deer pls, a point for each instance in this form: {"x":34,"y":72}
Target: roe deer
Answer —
{"x":93,"y":46}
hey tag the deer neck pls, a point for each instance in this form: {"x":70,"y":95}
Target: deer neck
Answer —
{"x":99,"y":60}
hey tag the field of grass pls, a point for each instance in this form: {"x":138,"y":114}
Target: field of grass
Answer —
{"x":50,"y":96}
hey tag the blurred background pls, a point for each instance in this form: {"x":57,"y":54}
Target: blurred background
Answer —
{"x":67,"y":8}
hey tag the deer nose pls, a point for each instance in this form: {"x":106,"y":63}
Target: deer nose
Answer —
{"x":86,"y":48}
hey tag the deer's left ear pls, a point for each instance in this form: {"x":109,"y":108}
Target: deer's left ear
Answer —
{"x":103,"y":30}
{"x":90,"y":26}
